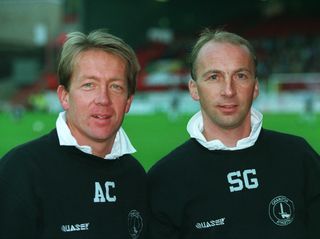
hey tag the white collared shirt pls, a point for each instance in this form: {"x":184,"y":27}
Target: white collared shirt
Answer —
{"x":121,"y":145}
{"x":195,"y":129}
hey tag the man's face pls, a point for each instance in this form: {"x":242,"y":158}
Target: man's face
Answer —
{"x":97,"y":99}
{"x":226,"y":85}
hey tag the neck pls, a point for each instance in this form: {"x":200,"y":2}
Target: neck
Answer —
{"x":228,"y":137}
{"x":99,"y":149}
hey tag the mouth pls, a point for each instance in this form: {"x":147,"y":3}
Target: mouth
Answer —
{"x":228,"y":108}
{"x":101,"y":116}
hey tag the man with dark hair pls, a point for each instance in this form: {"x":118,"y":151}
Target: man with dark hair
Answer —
{"x":233,"y":178}
{"x":80,"y":180}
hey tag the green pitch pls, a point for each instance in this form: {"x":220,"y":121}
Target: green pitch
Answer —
{"x":152,"y":135}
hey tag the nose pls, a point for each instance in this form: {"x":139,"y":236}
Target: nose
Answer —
{"x":103,"y":96}
{"x":228,"y":88}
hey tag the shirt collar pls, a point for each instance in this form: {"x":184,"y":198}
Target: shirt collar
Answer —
{"x":195,"y":129}
{"x":121,"y":145}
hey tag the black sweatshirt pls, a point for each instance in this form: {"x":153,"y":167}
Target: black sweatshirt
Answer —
{"x":53,"y":191}
{"x":269,"y":190}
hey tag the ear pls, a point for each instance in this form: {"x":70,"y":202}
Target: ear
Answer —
{"x":129,"y":101}
{"x":63,"y":96}
{"x":193,"y":89}
{"x":256,"y":89}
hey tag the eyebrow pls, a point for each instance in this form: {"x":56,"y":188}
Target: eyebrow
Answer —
{"x":218,"y":71}
{"x":84,"y":77}
{"x":210,"y":72}
{"x":93,"y":77}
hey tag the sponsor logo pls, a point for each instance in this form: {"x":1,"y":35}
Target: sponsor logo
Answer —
{"x":211,"y":223}
{"x":281,"y":210}
{"x":135,"y":224}
{"x":75,"y":227}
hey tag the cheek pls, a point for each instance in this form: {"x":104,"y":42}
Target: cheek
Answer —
{"x":79,"y":102}
{"x":247,"y":96}
{"x":208,"y":93}
{"x":207,"y":98}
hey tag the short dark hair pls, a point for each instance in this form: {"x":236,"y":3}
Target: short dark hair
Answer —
{"x":78,"y":42}
{"x":208,"y":35}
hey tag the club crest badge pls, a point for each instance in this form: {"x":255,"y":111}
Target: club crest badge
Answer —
{"x":135,"y":224}
{"x":281,"y":210}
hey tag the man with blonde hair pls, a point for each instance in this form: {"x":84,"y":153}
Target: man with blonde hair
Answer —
{"x":80,"y":180}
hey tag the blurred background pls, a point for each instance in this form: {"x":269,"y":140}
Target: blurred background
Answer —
{"x":285,"y":33}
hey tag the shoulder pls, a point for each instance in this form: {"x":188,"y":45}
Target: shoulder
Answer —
{"x":279,"y":135}
{"x":132,"y":165}
{"x":177,"y":157}
{"x":131,"y":172}
{"x":283,"y":139}
{"x":19,"y":168}
{"x":284,"y":142}
{"x":23,"y":155}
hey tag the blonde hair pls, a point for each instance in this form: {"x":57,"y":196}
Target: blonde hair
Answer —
{"x":78,"y":42}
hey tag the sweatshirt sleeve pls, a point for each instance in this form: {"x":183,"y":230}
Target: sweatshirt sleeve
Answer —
{"x":18,"y":211}
{"x":161,"y":225}
{"x":166,"y":209}
{"x":312,"y":162}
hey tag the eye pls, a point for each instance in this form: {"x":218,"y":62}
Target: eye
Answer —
{"x":241,"y":76}
{"x":213,"y":77}
{"x":87,"y":85}
{"x":116,"y":87}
